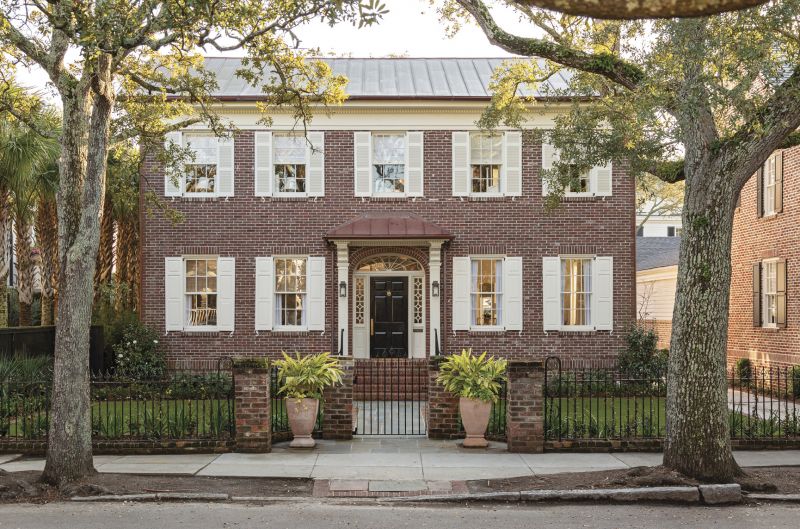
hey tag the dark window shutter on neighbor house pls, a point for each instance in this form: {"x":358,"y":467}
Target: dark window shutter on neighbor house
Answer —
{"x":780,"y":301}
{"x":757,"y":294}
{"x":760,"y":192}
{"x":778,"y":182}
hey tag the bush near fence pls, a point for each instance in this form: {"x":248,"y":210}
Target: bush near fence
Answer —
{"x":604,"y":405}
{"x":180,"y":407}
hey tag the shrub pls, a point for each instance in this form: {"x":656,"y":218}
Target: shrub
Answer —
{"x":307,"y":376}
{"x":138,"y":355}
{"x":794,"y":375}
{"x":26,"y":369}
{"x":641,"y":358}
{"x":472,"y":377}
{"x":202,"y":386}
{"x":743,"y":370}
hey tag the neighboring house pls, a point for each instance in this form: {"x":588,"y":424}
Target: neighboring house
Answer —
{"x":398,"y":230}
{"x":764,"y":323}
{"x":656,"y":282}
{"x":658,"y":225}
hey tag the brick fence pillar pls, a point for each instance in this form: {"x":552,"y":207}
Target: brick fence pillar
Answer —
{"x":442,"y":406}
{"x":252,"y":408}
{"x":525,"y":406}
{"x":337,"y":405}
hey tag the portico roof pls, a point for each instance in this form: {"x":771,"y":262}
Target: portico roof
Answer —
{"x":388,"y":225}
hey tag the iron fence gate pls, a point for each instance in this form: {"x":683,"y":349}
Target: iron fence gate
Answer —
{"x":390,"y":396}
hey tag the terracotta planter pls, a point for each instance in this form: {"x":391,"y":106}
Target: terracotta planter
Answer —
{"x":302,"y":418}
{"x":475,"y":418}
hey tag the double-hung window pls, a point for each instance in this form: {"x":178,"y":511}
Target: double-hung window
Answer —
{"x":769,"y":294}
{"x":201,"y":167}
{"x":200,"y":292}
{"x":290,"y":292}
{"x":580,"y":182}
{"x":289,"y":163}
{"x":770,"y":174}
{"x":388,"y":163}
{"x":487,"y":292}
{"x":486,"y":158}
{"x":576,"y":292}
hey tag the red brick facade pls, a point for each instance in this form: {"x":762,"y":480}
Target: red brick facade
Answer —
{"x":245,"y":227}
{"x":756,"y":239}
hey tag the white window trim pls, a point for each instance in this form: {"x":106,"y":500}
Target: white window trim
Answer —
{"x":186,"y":326}
{"x":592,"y":187}
{"x":372,"y":192}
{"x":576,"y":328}
{"x":184,"y":181}
{"x":501,"y":183}
{"x":274,"y":182}
{"x":769,"y":207}
{"x":275,"y":294}
{"x":764,"y":293}
{"x":484,"y":328}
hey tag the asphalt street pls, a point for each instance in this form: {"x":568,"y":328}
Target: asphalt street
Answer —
{"x":313,"y":514}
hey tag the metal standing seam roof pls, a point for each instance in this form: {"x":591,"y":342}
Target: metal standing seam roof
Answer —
{"x":388,"y":225}
{"x":448,"y":78}
{"x":656,"y":252}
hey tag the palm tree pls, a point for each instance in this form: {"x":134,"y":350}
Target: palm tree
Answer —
{"x":46,"y":226}
{"x":24,"y":156}
{"x":123,"y":183}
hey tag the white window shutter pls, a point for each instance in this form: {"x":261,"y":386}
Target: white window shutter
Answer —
{"x":601,"y":180}
{"x":461,"y":168}
{"x":173,"y":290}
{"x":551,"y":288}
{"x":226,"y":293}
{"x":225,"y":167}
{"x":603,"y":294}
{"x":549,"y":156}
{"x":461,"y":293}
{"x":414,"y":163}
{"x":265,"y":288}
{"x":512,"y":178}
{"x":512,"y":293}
{"x":362,"y":154}
{"x":315,"y":184}
{"x":263,"y":163}
{"x":173,"y":176}
{"x":316,"y":293}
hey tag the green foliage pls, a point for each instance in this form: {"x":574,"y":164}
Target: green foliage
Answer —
{"x":26,"y":369}
{"x":106,"y":313}
{"x":200,"y":386}
{"x":642,"y":358}
{"x":307,"y":376}
{"x":138,"y":355}
{"x":795,"y":378}
{"x":473,"y":377}
{"x":743,"y":370}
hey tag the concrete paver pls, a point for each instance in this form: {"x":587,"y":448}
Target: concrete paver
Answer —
{"x":257,"y":470}
{"x":397,"y":485}
{"x":5,"y":458}
{"x":360,"y":485}
{"x":367,"y":472}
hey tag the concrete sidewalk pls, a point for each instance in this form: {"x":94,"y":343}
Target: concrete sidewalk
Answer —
{"x":388,"y":459}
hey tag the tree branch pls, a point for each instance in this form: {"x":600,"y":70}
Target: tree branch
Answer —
{"x":604,"y":64}
{"x":627,"y":10}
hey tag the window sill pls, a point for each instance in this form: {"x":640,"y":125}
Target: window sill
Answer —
{"x":388,"y":198}
{"x":201,"y":332}
{"x":487,"y":198}
{"x":583,"y":198}
{"x":487,"y":330}
{"x":197,"y":198}
{"x":294,"y":331}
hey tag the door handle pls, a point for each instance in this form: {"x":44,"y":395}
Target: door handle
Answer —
{"x":372,"y":326}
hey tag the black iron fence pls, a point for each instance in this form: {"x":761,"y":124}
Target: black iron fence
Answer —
{"x":279,"y":417}
{"x":390,"y":396}
{"x":603,"y":404}
{"x":183,"y":406}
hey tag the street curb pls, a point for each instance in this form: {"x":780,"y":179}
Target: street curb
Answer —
{"x":793,"y":498}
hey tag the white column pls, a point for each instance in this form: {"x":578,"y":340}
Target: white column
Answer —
{"x":435,"y":269}
{"x":343,"y":266}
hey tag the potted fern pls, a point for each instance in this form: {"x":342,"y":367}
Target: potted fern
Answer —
{"x":302,"y":380}
{"x":476,"y":380}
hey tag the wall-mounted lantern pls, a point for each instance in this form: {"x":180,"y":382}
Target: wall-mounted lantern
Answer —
{"x":435,"y":289}
{"x":343,"y":289}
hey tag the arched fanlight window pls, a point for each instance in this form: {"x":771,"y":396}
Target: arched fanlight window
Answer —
{"x":389,"y":263}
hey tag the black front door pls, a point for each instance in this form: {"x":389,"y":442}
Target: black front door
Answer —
{"x":389,"y":323}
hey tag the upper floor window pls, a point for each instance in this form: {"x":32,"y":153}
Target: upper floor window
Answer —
{"x":290,"y":292}
{"x":580,"y":182}
{"x":769,"y":294}
{"x":289,"y":163}
{"x":201,"y":292}
{"x":201,"y":170}
{"x":576,"y":291}
{"x":487,"y":292}
{"x":486,"y":158}
{"x":388,"y":163}
{"x":770,"y":186}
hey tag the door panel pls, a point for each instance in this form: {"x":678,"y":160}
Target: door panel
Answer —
{"x":389,"y":317}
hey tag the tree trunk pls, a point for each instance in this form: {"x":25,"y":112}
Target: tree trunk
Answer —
{"x":47,"y":238}
{"x":84,"y":147}
{"x":47,"y":310}
{"x":105,"y":253}
{"x":22,"y":227}
{"x":5,"y":253}
{"x":697,"y":440}
{"x":127,"y":274}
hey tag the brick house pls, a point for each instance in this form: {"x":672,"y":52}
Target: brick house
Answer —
{"x":765,"y":281}
{"x":397,"y":230}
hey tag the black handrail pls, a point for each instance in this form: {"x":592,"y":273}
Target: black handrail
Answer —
{"x":341,"y":342}
{"x":437,"y":351}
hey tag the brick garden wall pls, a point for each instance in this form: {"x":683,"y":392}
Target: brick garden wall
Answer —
{"x":755,"y":239}
{"x":245,"y":226}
